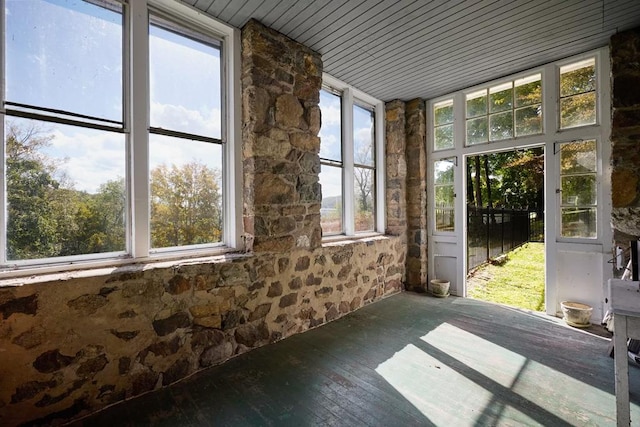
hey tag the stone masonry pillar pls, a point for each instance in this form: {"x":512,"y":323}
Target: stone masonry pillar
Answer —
{"x":416,"y":128}
{"x":281,"y":82}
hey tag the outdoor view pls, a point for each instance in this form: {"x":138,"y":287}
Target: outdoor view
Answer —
{"x":66,"y":184}
{"x":505,"y":227}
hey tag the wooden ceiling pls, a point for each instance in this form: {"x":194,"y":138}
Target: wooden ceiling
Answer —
{"x":410,"y":48}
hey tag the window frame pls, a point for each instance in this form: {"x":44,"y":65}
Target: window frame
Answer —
{"x":135,"y":127}
{"x":351,"y":96}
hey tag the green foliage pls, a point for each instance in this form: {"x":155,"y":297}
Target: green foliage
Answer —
{"x":186,"y":205}
{"x":519,"y":282}
{"x":47,"y":217}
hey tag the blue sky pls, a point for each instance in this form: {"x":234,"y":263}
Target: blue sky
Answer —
{"x":66,"y":54}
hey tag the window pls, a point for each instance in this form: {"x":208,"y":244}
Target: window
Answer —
{"x":443,"y":125}
{"x":508,"y":110}
{"x":85,"y":178}
{"x":350,"y":161}
{"x":364,"y":168}
{"x":444,"y":192}
{"x":578,"y":169}
{"x":578,"y":94}
{"x":331,"y":162}
{"x":185,"y":147}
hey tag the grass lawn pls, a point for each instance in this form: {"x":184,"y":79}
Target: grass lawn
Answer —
{"x":519,"y":282}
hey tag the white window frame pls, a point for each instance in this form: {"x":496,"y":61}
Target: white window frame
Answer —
{"x":350,"y":97}
{"x":136,"y":112}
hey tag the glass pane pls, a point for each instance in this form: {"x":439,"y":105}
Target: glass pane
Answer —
{"x":579,"y":222}
{"x":578,"y":78}
{"x":65,"y":55}
{"x":528,"y":90}
{"x":477,"y":131}
{"x":443,"y":172}
{"x":578,"y":157}
{"x":477,"y":104}
{"x":363,"y":136}
{"x":501,"y":98}
{"x":331,"y":208}
{"x":364,"y":195}
{"x":444,"y":194}
{"x":443,"y":137}
{"x":65,"y":190}
{"x":331,"y":129}
{"x":578,"y":110}
{"x":184,"y":83}
{"x":186,"y":192}
{"x":529,"y":120}
{"x":501,"y":126}
{"x":443,"y":112}
{"x":579,"y":190}
{"x":444,"y":205}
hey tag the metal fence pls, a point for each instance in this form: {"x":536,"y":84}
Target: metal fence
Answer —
{"x":493,"y":232}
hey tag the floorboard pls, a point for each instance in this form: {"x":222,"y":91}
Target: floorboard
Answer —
{"x":405,"y":361}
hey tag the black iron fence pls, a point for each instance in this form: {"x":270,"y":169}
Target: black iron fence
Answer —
{"x":493,"y":232}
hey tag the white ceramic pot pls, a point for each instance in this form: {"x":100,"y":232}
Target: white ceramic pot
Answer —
{"x":439,"y":288}
{"x":576,"y":313}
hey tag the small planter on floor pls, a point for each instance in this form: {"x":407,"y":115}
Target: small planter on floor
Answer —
{"x":439,"y":288}
{"x":576,"y":314}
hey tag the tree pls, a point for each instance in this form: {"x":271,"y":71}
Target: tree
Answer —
{"x":31,"y":226}
{"x":363,"y":178}
{"x":186,"y":205}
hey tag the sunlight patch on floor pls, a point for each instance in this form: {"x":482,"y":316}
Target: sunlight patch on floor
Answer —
{"x":457,"y":378}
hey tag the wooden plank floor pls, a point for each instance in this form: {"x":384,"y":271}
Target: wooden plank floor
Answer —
{"x":407,"y":360}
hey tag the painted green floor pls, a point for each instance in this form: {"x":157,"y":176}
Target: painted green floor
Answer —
{"x":408,"y":360}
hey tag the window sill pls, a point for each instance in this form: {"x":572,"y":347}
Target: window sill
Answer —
{"x":86,"y":269}
{"x":339,"y":240}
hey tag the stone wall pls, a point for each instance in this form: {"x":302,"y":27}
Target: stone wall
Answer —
{"x":416,"y":131}
{"x":72,"y":343}
{"x":625,"y":136}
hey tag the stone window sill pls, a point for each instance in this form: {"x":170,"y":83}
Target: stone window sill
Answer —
{"x":341,"y":240}
{"x":53,"y":273}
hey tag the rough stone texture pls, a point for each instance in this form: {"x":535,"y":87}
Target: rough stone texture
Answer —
{"x":625,"y":136}
{"x":281,"y":80}
{"x":73,"y":343}
{"x":396,"y":169}
{"x":416,"y":158}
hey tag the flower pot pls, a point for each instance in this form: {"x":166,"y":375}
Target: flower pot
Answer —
{"x":576,"y":314}
{"x":439,"y":288}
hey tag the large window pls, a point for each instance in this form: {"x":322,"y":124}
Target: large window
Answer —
{"x":444,"y":194}
{"x":350,"y":164}
{"x":84,"y":176}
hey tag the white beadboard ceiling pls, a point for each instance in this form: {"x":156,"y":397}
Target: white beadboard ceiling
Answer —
{"x":406,"y":49}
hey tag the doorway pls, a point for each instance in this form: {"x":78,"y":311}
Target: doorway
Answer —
{"x":505,"y":227}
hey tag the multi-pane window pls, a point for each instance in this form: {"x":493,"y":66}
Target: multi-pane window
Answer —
{"x":65,"y":148}
{"x":185,"y":149}
{"x":348,"y":158}
{"x":444,"y":191}
{"x":69,"y":134}
{"x":364,"y":169}
{"x":512,"y":109}
{"x":578,"y":206}
{"x":331,"y":162}
{"x":578,"y":94}
{"x":443,"y":125}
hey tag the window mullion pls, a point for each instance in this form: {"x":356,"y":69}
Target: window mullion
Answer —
{"x":138,"y":102}
{"x":347,"y":158}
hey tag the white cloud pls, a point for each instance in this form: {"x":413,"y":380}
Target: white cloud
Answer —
{"x":331,"y":114}
{"x":177,"y":117}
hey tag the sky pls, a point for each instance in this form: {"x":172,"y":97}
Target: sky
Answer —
{"x":77,"y":67}
{"x":331,"y":140}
